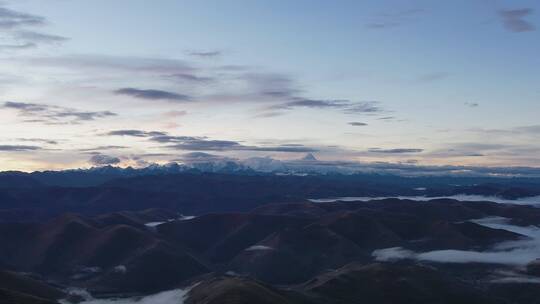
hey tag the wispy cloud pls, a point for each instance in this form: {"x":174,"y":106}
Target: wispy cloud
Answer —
{"x":102,"y":148}
{"x":276,"y":92}
{"x":201,"y":143}
{"x":101,"y":159}
{"x":193,"y":78}
{"x":39,"y":140}
{"x":201,"y":157}
{"x":346,"y":106}
{"x":204,"y":144}
{"x":135,"y":133}
{"x":395,"y":151}
{"x":10,"y":19}
{"x":205,"y":54}
{"x":357,"y":124}
{"x":468,"y":149}
{"x":51,"y":114}
{"x":152,"y":94}
{"x":18,"y":148}
{"x":37,"y":37}
{"x":513,"y":20}
{"x":23,"y":46}
{"x":15,"y":26}
{"x":126,"y":64}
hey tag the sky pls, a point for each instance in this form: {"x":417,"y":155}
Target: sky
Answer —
{"x":134,"y":82}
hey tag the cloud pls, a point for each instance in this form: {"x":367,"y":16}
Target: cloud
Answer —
{"x":205,"y":54}
{"x":50,"y":114}
{"x":258,"y":248}
{"x":369,"y":107}
{"x":282,"y":148}
{"x":532,"y":200}
{"x":10,"y":19}
{"x":101,"y":159}
{"x":138,"y":156}
{"x":14,"y":25}
{"x":24,"y":46}
{"x":311,"y":103}
{"x":207,"y":145}
{"x":176,"y":296}
{"x":270,"y":85}
{"x":192,"y":78}
{"x":268,"y":114}
{"x":519,"y":252}
{"x":514,"y":22}
{"x":101,"y":148}
{"x":41,"y":140}
{"x":151,"y":94}
{"x":36,"y":37}
{"x":135,"y":133}
{"x":470,"y":149}
{"x":531,"y":130}
{"x":82,"y":116}
{"x":279,"y":92}
{"x":18,"y":148}
{"x":191,"y":143}
{"x":357,"y":124}
{"x":395,"y":151}
{"x":29,"y":107}
{"x":201,"y":157}
{"x":227,"y":145}
{"x":346,"y":106}
{"x":165,"y":138}
{"x":392,"y":254}
{"x":125,"y":64}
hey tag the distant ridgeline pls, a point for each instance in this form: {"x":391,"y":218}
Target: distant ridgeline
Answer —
{"x":196,"y":191}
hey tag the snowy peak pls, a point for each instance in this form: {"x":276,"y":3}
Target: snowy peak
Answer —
{"x":309,"y":157}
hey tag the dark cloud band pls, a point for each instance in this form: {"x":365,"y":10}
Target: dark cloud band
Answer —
{"x":151,"y":94}
{"x":51,"y":114}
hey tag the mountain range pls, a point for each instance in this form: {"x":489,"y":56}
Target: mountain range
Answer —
{"x":170,"y":234}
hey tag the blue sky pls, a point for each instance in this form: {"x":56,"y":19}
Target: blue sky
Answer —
{"x":426,"y":82}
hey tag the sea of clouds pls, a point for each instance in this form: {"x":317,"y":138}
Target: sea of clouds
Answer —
{"x":533,"y":200}
{"x":516,"y":253}
{"x":175,"y":296}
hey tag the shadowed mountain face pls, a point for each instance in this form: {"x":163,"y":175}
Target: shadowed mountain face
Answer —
{"x":23,"y":289}
{"x":287,"y":249}
{"x":43,"y":195}
{"x":111,"y":253}
{"x":278,"y":253}
{"x":239,"y":249}
{"x":384,"y":283}
{"x":234,"y":290}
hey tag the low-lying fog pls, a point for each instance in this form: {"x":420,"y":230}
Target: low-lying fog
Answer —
{"x":534,"y":200}
{"x":175,"y":296}
{"x":518,"y":253}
